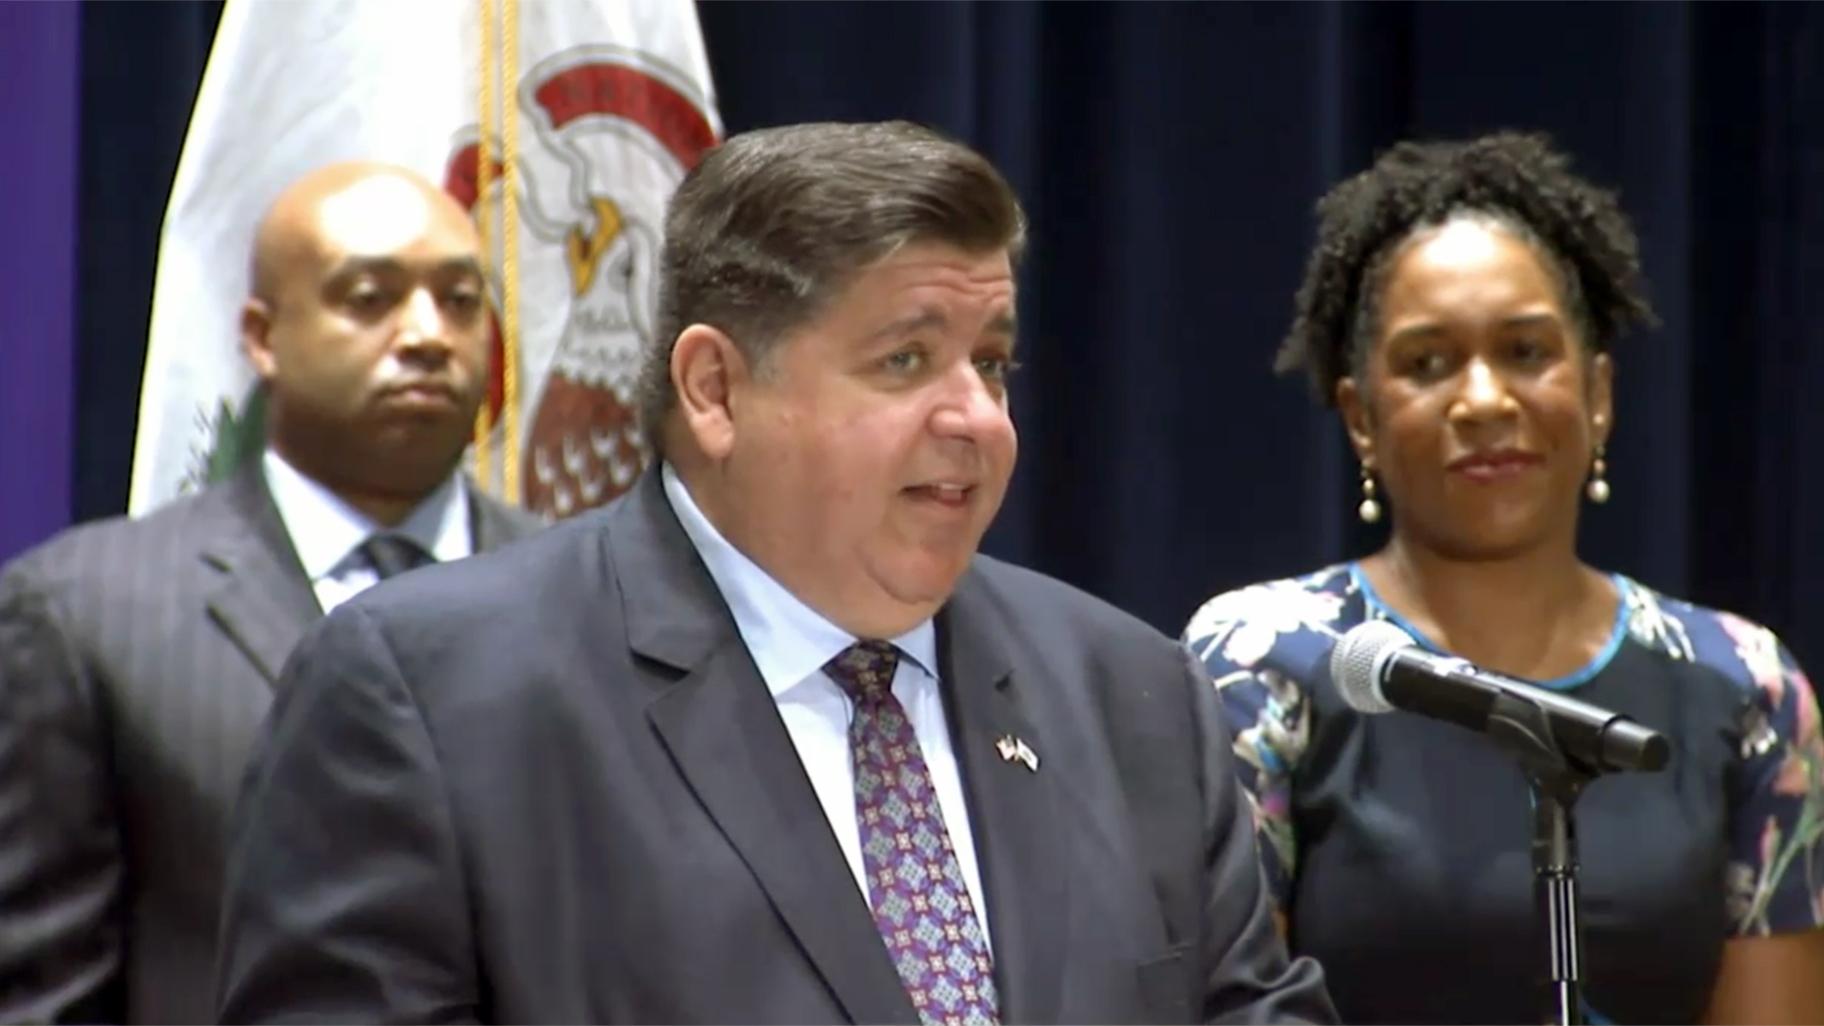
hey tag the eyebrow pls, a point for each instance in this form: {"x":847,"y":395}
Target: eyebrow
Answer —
{"x":1525,"y":320}
{"x":1422,"y":330}
{"x":392,"y":265}
{"x":1002,"y":324}
{"x":1428,"y":329}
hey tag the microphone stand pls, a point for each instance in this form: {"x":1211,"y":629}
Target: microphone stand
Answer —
{"x":1556,"y":782}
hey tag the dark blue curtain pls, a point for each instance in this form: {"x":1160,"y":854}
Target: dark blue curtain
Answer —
{"x":140,"y":69}
{"x":1169,"y":155}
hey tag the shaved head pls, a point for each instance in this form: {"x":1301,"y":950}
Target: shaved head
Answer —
{"x":368,"y":325}
{"x":344,"y":201}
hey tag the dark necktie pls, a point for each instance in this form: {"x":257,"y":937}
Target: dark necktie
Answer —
{"x":921,"y":903}
{"x":391,"y":554}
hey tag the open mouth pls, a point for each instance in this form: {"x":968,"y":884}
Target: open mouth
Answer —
{"x":946,"y":495}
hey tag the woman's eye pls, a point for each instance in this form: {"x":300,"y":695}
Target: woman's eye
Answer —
{"x":1527,"y":352}
{"x":1426,"y":365}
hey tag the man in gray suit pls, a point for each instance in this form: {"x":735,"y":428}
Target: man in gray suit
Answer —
{"x":138,"y":657}
{"x":766,"y":741}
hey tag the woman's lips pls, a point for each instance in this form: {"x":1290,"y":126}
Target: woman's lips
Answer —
{"x":1499,"y":466}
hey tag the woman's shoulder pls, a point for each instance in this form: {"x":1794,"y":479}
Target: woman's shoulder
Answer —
{"x":1289,"y":623}
{"x":1748,"y":654}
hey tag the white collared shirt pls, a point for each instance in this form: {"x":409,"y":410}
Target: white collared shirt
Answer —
{"x":327,"y":532}
{"x":790,"y":642}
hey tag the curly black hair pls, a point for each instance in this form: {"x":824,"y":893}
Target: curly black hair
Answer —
{"x":1515,"y":178}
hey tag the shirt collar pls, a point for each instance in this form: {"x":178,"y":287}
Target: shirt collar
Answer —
{"x":789,"y":640}
{"x":325,"y":530}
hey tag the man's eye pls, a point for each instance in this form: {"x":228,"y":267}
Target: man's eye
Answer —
{"x":464,"y":302}
{"x":905,"y":361}
{"x":366,"y":298}
{"x":996,"y":368}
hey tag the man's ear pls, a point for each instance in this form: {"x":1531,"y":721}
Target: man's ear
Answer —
{"x":1353,"y":406}
{"x":256,"y":338}
{"x":706,"y":369}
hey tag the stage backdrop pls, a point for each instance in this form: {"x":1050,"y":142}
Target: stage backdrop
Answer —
{"x":1169,"y":155}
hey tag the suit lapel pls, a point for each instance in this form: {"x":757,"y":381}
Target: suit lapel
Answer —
{"x":263,"y":602}
{"x":723,"y":731}
{"x":493,"y":523}
{"x":1020,"y":840}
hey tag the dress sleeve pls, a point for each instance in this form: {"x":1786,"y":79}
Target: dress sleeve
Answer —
{"x":1269,"y":716}
{"x":1776,"y":867}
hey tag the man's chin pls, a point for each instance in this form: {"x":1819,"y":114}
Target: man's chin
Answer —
{"x":885,"y":621}
{"x":923,"y":590}
{"x":430,"y":418}
{"x":419,"y":437}
{"x":415,"y":459}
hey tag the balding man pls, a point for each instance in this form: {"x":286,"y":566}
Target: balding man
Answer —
{"x":137,"y":657}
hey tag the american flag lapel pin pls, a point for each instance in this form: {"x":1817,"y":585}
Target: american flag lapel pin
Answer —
{"x":1026,"y":755}
{"x":1013,"y":749}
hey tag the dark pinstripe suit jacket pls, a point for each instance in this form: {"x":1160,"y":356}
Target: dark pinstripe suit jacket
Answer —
{"x":137,"y":659}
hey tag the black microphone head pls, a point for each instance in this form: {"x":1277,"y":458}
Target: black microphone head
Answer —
{"x":1356,"y":661}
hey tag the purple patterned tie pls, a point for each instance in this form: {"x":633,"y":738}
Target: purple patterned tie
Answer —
{"x":921,"y":903}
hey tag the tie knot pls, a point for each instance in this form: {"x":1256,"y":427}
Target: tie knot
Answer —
{"x":865,"y":669}
{"x":391,"y":554}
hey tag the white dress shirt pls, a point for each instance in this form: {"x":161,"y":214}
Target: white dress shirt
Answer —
{"x":327,"y":532}
{"x":790,"y":642}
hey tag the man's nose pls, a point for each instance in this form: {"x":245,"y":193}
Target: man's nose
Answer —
{"x":971,"y":406}
{"x":422,"y":324}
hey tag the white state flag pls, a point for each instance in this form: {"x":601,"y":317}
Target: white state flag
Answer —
{"x":614,"y":104}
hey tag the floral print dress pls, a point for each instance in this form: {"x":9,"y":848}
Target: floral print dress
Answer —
{"x":1397,"y":846}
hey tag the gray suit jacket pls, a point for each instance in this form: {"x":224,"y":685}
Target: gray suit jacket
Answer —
{"x":563,"y":793}
{"x":137,"y":659}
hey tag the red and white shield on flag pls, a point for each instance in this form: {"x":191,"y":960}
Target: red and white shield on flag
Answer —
{"x":611,"y":138}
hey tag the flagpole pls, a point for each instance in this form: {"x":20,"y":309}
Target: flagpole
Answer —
{"x":484,"y":175}
{"x":509,"y":329}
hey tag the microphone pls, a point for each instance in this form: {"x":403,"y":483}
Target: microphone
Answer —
{"x":1379,"y":668}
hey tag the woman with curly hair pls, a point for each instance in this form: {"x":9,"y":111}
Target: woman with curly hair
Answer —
{"x":1458,"y":312}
